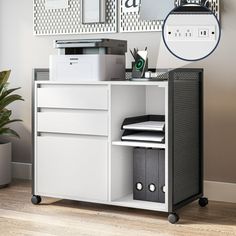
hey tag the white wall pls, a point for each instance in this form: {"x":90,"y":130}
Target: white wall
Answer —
{"x":21,"y":51}
{"x":220,"y":102}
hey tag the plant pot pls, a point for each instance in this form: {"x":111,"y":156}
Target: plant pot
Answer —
{"x":5,"y":164}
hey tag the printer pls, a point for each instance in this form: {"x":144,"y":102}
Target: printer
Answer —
{"x":92,"y":59}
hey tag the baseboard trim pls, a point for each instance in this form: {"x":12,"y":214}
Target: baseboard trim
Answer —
{"x":215,"y":191}
{"x":219,"y":191}
{"x":21,"y":170}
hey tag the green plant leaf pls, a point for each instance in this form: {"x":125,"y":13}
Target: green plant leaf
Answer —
{"x":3,"y":88}
{"x":4,"y":76}
{"x":8,"y":100}
{"x":5,"y":115}
{"x":4,"y":118}
{"x":7,"y":122}
{"x":7,"y":92}
{"x":9,"y":132}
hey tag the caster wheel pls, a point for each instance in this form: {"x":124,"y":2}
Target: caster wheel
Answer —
{"x":173,"y":218}
{"x":203,"y":202}
{"x":36,"y":199}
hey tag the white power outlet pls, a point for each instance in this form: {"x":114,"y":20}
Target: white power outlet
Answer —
{"x":179,"y":33}
{"x":191,"y":33}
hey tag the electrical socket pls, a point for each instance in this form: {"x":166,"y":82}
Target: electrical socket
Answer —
{"x":191,"y":33}
{"x":179,"y":33}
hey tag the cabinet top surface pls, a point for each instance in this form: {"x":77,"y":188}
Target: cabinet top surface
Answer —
{"x":157,"y":83}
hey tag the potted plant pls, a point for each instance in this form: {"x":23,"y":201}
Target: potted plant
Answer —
{"x":7,"y":97}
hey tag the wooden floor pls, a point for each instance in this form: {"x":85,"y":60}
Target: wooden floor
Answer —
{"x":64,"y":218}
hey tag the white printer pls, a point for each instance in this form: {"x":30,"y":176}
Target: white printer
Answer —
{"x":93,"y":59}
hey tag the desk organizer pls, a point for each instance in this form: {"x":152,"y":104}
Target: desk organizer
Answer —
{"x":149,"y":128}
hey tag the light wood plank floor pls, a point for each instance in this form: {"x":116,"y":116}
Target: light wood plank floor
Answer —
{"x":64,"y":218}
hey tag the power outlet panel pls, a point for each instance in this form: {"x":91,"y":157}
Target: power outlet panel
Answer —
{"x":191,"y":33}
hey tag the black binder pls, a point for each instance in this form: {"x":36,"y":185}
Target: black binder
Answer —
{"x":161,"y":176}
{"x":139,"y":188}
{"x":152,"y":175}
{"x":149,"y":175}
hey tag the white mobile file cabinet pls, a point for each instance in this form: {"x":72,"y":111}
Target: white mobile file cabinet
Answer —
{"x":78,"y":152}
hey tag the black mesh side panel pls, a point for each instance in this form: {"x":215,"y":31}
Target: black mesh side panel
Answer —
{"x":186,"y":76}
{"x":186,"y":139}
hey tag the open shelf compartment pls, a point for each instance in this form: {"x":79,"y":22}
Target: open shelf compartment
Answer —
{"x":133,"y":101}
{"x":128,"y":201}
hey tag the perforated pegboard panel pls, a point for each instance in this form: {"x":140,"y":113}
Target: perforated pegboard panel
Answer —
{"x":214,"y":6}
{"x":130,"y":22}
{"x":68,"y":21}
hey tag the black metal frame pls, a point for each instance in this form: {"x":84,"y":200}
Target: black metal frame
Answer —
{"x":171,"y":206}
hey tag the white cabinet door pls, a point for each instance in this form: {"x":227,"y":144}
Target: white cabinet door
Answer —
{"x":72,"y":167}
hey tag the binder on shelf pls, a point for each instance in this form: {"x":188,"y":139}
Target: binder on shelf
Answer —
{"x":152,"y":175}
{"x":149,"y":175}
{"x":161,"y":176}
{"x":148,"y":128}
{"x":139,"y":162}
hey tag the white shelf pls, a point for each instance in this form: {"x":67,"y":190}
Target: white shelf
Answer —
{"x":139,"y":144}
{"x":128,"y":201}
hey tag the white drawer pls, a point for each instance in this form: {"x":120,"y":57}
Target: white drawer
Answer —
{"x":72,"y":168}
{"x":73,"y":96}
{"x":75,"y":122}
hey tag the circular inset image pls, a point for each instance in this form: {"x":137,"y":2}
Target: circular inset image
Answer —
{"x":191,"y":32}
